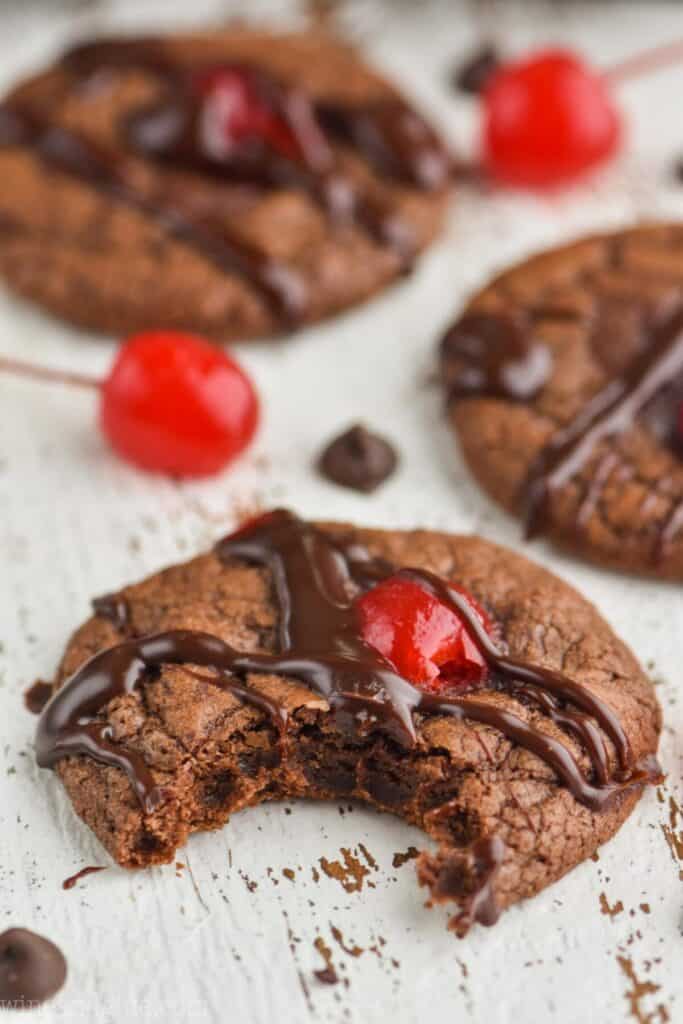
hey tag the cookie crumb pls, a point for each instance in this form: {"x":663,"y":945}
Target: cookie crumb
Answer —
{"x":37,"y":696}
{"x":610,"y":911}
{"x":402,"y":858}
{"x":70,"y":882}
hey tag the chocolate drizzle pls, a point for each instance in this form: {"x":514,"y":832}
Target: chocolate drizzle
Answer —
{"x":491,"y":355}
{"x":392,"y":137}
{"x":466,"y":876}
{"x":388,"y":132}
{"x":69,"y":724}
{"x":72,"y":154}
{"x":315,"y":581}
{"x":567,"y":703}
{"x":487,"y":855}
{"x":495,"y":355}
{"x":114,"y":608}
{"x":611,"y":412}
{"x":178,"y":131}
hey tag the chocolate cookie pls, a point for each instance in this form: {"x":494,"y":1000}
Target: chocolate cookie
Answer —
{"x":235,"y":183}
{"x":255,"y":672}
{"x":564,"y":379}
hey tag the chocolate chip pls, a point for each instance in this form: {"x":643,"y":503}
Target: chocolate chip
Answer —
{"x":338,"y":780}
{"x":358,"y":459}
{"x":32,"y":969}
{"x":678,"y":169}
{"x":472,"y":75}
{"x":114,"y":608}
{"x":386,"y":790}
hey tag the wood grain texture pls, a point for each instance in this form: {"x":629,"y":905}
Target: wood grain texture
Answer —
{"x":236,"y":934}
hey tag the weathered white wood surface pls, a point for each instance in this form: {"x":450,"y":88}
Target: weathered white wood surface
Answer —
{"x":230,"y":938}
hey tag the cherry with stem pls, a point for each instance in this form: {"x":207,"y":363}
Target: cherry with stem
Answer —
{"x":549,"y":118}
{"x":172,"y":403}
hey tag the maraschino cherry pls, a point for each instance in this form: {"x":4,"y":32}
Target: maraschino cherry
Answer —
{"x":172,"y":403}
{"x":233,"y":112}
{"x":550,"y":118}
{"x":425,"y":640}
{"x":547,"y":120}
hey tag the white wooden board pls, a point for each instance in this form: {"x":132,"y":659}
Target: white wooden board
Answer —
{"x":229,"y":938}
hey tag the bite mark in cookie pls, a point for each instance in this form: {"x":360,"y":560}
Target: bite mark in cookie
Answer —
{"x":564,"y":380}
{"x":286,"y":696}
{"x":238,"y":156}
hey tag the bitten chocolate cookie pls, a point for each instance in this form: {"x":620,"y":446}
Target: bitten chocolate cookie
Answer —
{"x":235,"y":182}
{"x":441,"y":678}
{"x":564,"y":380}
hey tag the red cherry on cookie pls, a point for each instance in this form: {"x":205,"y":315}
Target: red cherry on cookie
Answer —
{"x":425,"y":640}
{"x":547,"y":120}
{"x":173,"y":403}
{"x":234,"y":112}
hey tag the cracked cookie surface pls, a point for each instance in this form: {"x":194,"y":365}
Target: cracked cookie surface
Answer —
{"x":526,"y":367}
{"x":503,"y":820}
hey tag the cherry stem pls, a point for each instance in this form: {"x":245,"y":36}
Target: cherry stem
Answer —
{"x":651,"y":60}
{"x":20,"y":369}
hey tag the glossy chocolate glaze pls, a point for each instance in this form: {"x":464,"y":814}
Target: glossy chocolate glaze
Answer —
{"x":493,"y":355}
{"x":468,"y":876}
{"x":114,"y":608}
{"x":388,"y":132}
{"x":394,"y":139}
{"x":487,"y":854}
{"x":315,"y":582}
{"x":391,"y":136}
{"x":72,"y":154}
{"x":176,"y":131}
{"x":611,"y":412}
{"x":69,"y":724}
